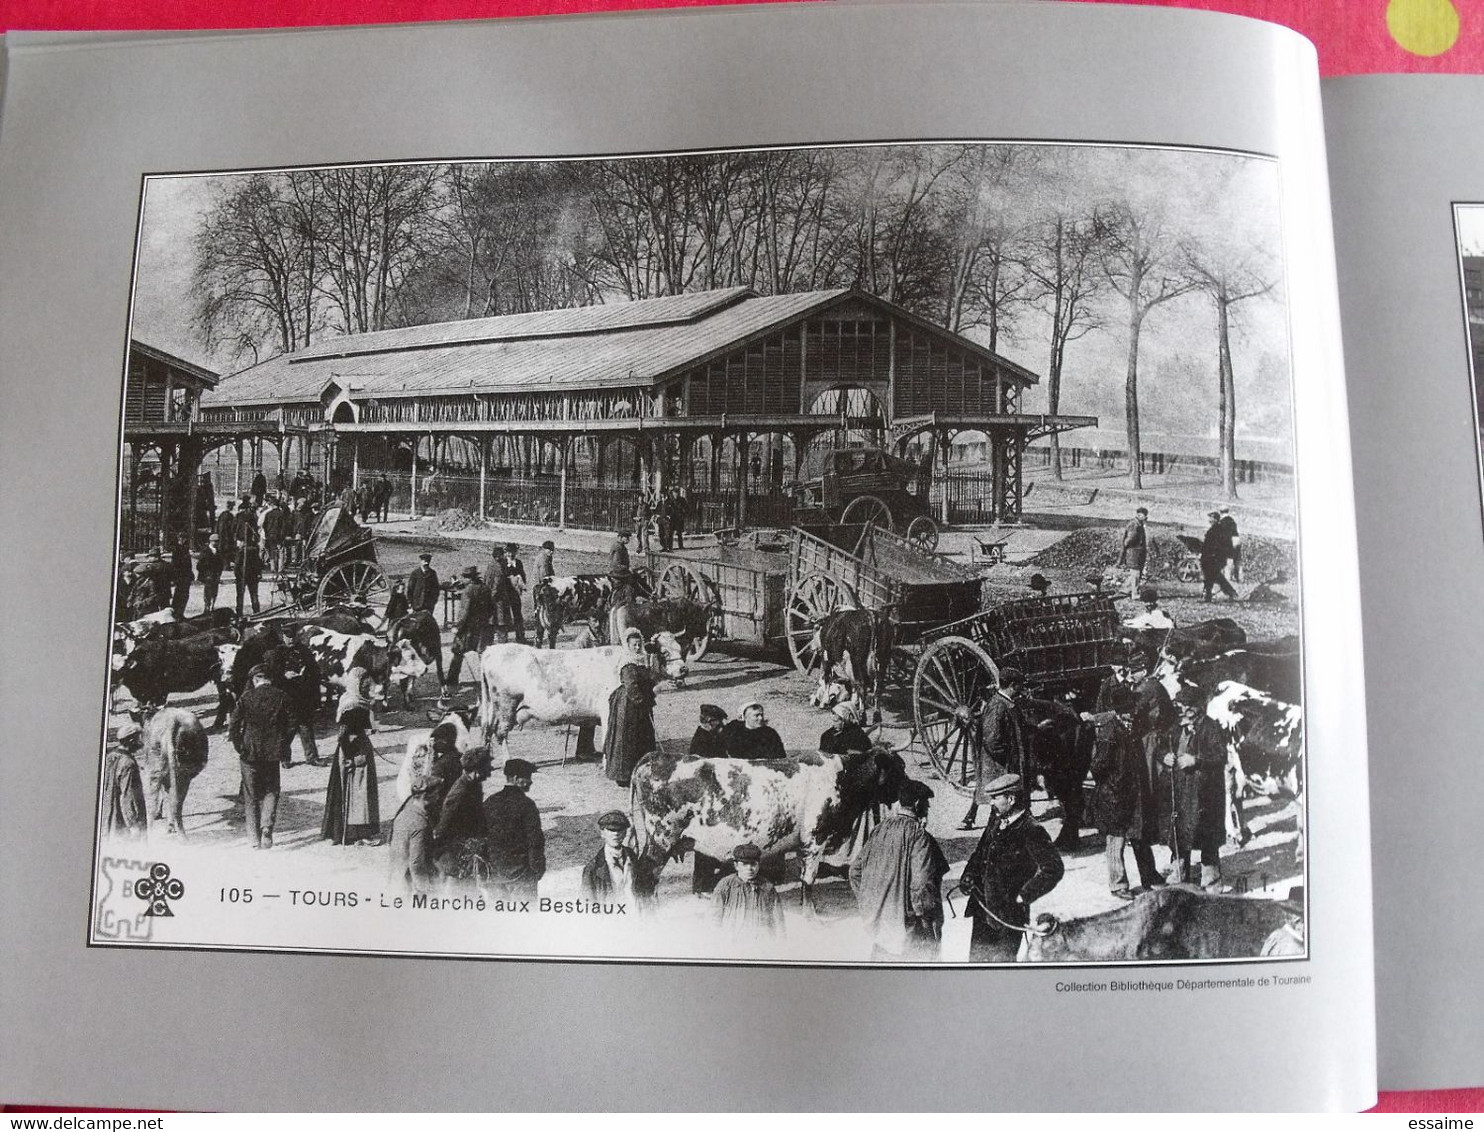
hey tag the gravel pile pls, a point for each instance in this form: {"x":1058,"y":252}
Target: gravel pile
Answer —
{"x":455,"y":519}
{"x":1096,"y":548}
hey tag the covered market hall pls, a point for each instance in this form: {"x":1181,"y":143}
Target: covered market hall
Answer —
{"x":559,"y":417}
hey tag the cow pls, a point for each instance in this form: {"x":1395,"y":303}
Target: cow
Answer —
{"x":518,"y":682}
{"x":1264,"y":740}
{"x":1270,"y":666}
{"x":420,"y":631}
{"x":822,"y":805}
{"x":173,"y":754}
{"x":338,"y":653}
{"x":1205,"y":638}
{"x":829,"y":693}
{"x":155,"y":670}
{"x":162,"y":626}
{"x":1061,"y":747}
{"x":688,"y":620}
{"x":562,"y":600}
{"x":863,"y":637}
{"x":1164,"y":923}
{"x":415,"y":761}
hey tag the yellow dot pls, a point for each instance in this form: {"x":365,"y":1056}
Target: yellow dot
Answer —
{"x":1423,"y":27}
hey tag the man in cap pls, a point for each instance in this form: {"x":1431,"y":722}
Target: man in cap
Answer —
{"x":1013,"y":866}
{"x":410,"y":846}
{"x":616,"y":872}
{"x":262,"y":724}
{"x":1216,"y":550}
{"x":1002,"y":740}
{"x":622,"y":579}
{"x":543,"y":598}
{"x":708,"y":741}
{"x":845,"y":733}
{"x":896,"y":879}
{"x":1288,"y":940}
{"x":515,"y":845}
{"x":422,"y":586}
{"x":476,"y":628}
{"x":1134,"y":552}
{"x":123,"y":789}
{"x":744,"y":903}
{"x":750,"y":737}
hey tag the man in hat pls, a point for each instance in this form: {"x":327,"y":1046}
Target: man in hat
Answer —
{"x":1134,"y":552}
{"x":618,"y":554}
{"x":1124,"y":800}
{"x":616,"y":873}
{"x":1234,"y":540}
{"x":548,"y":616}
{"x":845,"y":732}
{"x":622,"y":579}
{"x":1152,"y":616}
{"x":1002,"y":741}
{"x":226,"y":530}
{"x":123,"y":789}
{"x":708,"y":741}
{"x":896,"y":878}
{"x":422,"y":586}
{"x":515,"y":845}
{"x":209,"y":565}
{"x":262,"y":724}
{"x":508,"y":578}
{"x":410,"y":846}
{"x":1216,"y":550}
{"x":749,"y":736}
{"x":1013,"y":866}
{"x":1039,"y":585}
{"x":1288,"y":940}
{"x":476,"y":628}
{"x":275,"y":526}
{"x":744,"y":903}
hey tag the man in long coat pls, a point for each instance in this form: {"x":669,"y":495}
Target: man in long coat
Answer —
{"x":476,"y":628}
{"x":260,"y":734}
{"x":422,"y":586}
{"x":630,"y":734}
{"x":1002,"y":741}
{"x":1013,"y":866}
{"x":226,"y":533}
{"x":410,"y":847}
{"x":1216,"y":551}
{"x":1192,"y":793}
{"x":1124,"y":801}
{"x":896,"y":879}
{"x":515,"y":845}
{"x":1134,"y":552}
{"x":181,"y":573}
{"x":123,"y":789}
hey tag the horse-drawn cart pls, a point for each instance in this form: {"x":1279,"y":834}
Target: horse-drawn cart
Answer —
{"x":339,"y":569}
{"x":1064,"y":643}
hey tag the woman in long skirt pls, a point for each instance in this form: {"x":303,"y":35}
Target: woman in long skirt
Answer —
{"x":352,"y":810}
{"x":630,"y":733}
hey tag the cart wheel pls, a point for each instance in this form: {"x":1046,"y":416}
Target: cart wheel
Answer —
{"x":359,"y":583}
{"x":955,"y":677}
{"x":1188,"y":571}
{"x":922,"y":533}
{"x":867,"y":509}
{"x":814,"y":598}
{"x":682,"y":581}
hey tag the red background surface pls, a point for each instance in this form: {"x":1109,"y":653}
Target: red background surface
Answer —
{"x":1353,"y":37}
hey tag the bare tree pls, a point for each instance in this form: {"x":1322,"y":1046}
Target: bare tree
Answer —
{"x":1063,"y":261}
{"x":1142,"y":262}
{"x":1228,"y":277}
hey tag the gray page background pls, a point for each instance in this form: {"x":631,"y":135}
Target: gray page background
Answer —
{"x":246,"y":1031}
{"x":1401,"y":150}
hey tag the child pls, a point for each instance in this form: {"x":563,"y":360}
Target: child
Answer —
{"x":744,"y":903}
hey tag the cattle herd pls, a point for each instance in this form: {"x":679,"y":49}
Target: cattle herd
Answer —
{"x":818,"y":805}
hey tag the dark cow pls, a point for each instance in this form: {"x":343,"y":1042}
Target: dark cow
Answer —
{"x":1166,"y":923}
{"x":155,"y":670}
{"x":561,"y":600}
{"x":689,"y":621}
{"x":163,"y":627}
{"x":865,"y":638}
{"x":1270,"y":666}
{"x":174,"y":753}
{"x":1061,"y":749}
{"x":419,"y":630}
{"x":1203,"y":639}
{"x":822,"y":805}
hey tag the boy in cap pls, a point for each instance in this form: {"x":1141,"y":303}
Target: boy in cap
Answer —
{"x":1013,"y":865}
{"x":616,"y":872}
{"x":209,"y":564}
{"x":515,"y":845}
{"x":1135,"y":549}
{"x":123,"y":789}
{"x":744,"y":903}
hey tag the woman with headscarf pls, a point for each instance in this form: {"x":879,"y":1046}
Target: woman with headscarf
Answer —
{"x":749,"y":736}
{"x":352,"y":807}
{"x":845,"y":733}
{"x":357,"y":694}
{"x":630,"y":733}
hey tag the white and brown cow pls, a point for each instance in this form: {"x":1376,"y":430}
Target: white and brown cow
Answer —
{"x":824,"y":806}
{"x":561,"y":600}
{"x":518,"y":683}
{"x":418,"y":757}
{"x":338,"y":653}
{"x":1264,"y":749}
{"x":174,"y":753}
{"x":859,"y":643}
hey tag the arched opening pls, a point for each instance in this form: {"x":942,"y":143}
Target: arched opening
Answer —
{"x":860,"y":420}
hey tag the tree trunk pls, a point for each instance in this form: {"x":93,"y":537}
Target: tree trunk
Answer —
{"x":1228,"y":403}
{"x":1131,"y":402}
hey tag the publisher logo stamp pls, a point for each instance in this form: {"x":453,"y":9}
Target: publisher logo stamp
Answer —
{"x":119,"y":916}
{"x":158,"y":889}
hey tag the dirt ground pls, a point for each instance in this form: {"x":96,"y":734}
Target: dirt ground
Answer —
{"x":572,"y":795}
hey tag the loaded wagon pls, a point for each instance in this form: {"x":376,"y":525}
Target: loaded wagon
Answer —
{"x":860,"y":486}
{"x":339,"y":569}
{"x":1064,"y":643}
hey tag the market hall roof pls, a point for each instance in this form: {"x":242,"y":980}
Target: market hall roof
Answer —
{"x":605,"y":346}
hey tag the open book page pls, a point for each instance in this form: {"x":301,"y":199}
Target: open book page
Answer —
{"x":799,"y":345}
{"x":1407,"y":190}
